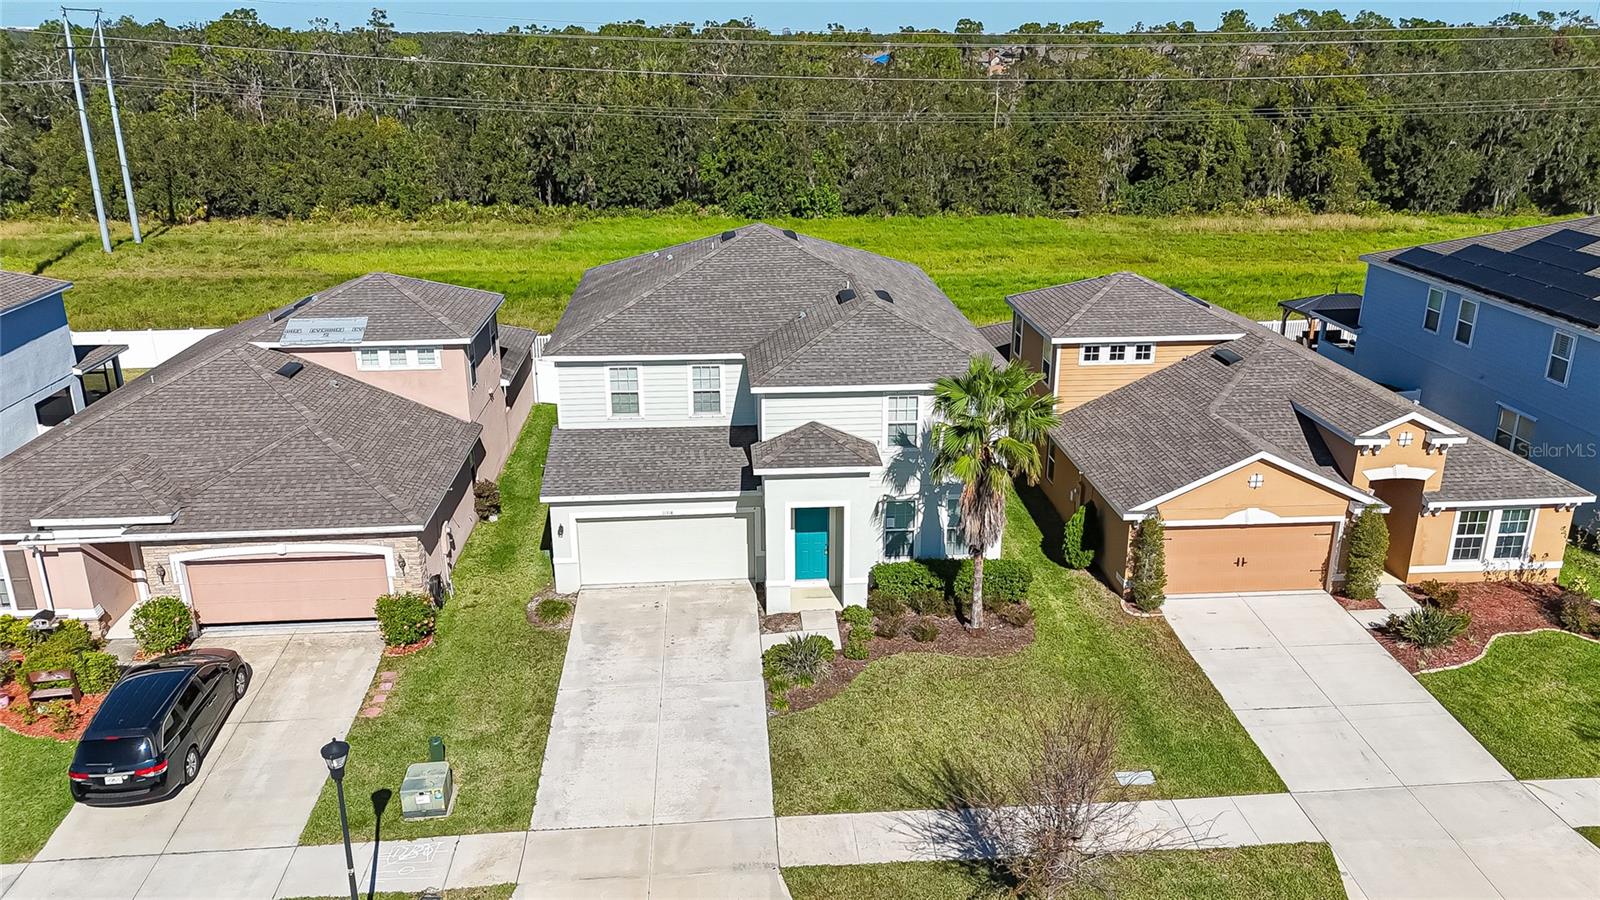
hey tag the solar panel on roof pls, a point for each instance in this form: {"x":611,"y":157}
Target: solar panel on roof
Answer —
{"x":1534,"y":278}
{"x":1571,"y":238}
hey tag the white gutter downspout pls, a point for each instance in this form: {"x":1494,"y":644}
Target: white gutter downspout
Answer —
{"x":44,"y":577}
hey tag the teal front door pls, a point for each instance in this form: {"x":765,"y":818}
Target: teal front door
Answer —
{"x":811,"y":544}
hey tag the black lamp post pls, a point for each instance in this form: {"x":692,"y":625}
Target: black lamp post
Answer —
{"x":334,"y":753}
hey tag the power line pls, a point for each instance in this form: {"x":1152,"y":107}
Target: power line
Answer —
{"x":915,"y":79}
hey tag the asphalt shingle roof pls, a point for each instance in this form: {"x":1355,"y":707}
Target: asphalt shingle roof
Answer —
{"x":516,"y":348}
{"x":1195,"y":417}
{"x":93,"y":356}
{"x":1122,"y":304}
{"x":773,"y":296}
{"x":592,"y":462}
{"x":17,"y":288}
{"x":217,"y":437}
{"x":814,"y":446}
{"x":398,"y":308}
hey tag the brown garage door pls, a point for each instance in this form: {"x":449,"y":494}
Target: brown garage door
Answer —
{"x":1247,"y":558}
{"x":285,"y":588}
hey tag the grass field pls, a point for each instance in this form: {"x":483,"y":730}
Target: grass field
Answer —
{"x":1531,"y":702}
{"x":487,"y":686}
{"x":217,"y":273}
{"x":33,"y":780}
{"x":1280,"y":871}
{"x":884,"y":742}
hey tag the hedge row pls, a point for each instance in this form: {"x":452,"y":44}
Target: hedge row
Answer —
{"x":935,"y":586}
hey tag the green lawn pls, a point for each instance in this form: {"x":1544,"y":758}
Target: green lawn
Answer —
{"x":33,"y":781}
{"x":1586,"y":563}
{"x":1279,"y":871}
{"x":216,"y":273}
{"x":1592,"y":833}
{"x":883,"y":742}
{"x":1534,"y":702}
{"x":487,"y":686}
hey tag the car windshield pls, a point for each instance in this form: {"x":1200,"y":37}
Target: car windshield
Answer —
{"x":122,"y":752}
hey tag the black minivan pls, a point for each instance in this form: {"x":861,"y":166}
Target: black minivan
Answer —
{"x":150,"y":733}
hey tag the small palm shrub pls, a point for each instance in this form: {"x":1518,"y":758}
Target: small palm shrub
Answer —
{"x":1428,"y":627}
{"x":1149,"y":582}
{"x":404,"y":619}
{"x":924,"y":631}
{"x":1075,"y":549}
{"x":799,"y":660}
{"x":549,"y":611}
{"x":858,"y":616}
{"x":1369,"y":547}
{"x":162,"y":625}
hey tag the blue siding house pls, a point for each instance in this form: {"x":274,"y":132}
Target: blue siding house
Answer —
{"x":44,"y":378}
{"x":1500,"y":333}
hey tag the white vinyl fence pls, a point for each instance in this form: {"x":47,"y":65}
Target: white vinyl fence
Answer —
{"x":149,"y":348}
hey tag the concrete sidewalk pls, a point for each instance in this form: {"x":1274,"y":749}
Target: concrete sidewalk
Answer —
{"x":1410,"y":802}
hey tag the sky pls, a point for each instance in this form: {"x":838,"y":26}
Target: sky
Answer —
{"x":877,"y":15}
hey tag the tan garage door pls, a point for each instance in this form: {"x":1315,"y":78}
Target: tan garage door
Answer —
{"x":285,"y":588}
{"x":1247,"y":558}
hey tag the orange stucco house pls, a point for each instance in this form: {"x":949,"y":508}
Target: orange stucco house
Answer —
{"x":1258,"y":453}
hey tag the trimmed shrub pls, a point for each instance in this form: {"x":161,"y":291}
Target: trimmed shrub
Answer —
{"x":912,"y":582}
{"x":799,"y":660}
{"x":1428,"y":627}
{"x":97,"y":671}
{"x":856,"y":645}
{"x":1369,"y":547}
{"x":884,"y":606}
{"x":1437,"y":593}
{"x":889,"y":627}
{"x":924,"y":631}
{"x":1016,"y":614}
{"x":1004,"y":581}
{"x":14,"y":633}
{"x":1576,"y":613}
{"x":485,"y":499}
{"x":71,"y":637}
{"x":549,"y":611}
{"x":1149,"y":582}
{"x":857,"y":616}
{"x":46,"y":659}
{"x":1075,"y":549}
{"x":162,"y":625}
{"x":404,"y":619}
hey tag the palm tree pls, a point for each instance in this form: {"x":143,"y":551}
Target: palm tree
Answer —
{"x":987,"y":429}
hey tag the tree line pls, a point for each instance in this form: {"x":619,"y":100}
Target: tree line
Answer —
{"x":1312,"y":111}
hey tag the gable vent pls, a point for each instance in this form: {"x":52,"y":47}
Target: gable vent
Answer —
{"x":788,"y":233}
{"x":728,"y":236}
{"x":290,"y":369}
{"x":884,"y":296}
{"x":1225,"y":356}
{"x":846,"y":295}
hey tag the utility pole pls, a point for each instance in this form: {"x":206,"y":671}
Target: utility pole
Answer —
{"x":88,"y":141}
{"x":116,"y":128}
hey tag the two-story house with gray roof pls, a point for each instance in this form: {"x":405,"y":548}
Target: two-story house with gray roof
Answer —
{"x":752,"y":405}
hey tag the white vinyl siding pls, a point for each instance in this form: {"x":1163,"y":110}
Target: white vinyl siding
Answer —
{"x":666,"y":396}
{"x":706,"y":383}
{"x":904,"y":422}
{"x":623,"y":392}
{"x":1435,"y":311}
{"x":861,"y":415}
{"x":1466,"y":322}
{"x":1559,"y":367}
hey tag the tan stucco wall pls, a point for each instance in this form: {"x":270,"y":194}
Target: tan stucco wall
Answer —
{"x":1356,"y":464}
{"x":1282,"y":492}
{"x":1077,"y":384}
{"x":1066,"y":491}
{"x":81,"y":577}
{"x":1405,"y":509}
{"x":1548,"y":543}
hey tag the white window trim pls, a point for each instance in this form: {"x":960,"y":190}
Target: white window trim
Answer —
{"x":1486,"y":559}
{"x":1050,"y":464}
{"x":889,"y":422}
{"x":1427,"y":307}
{"x":911,"y":530}
{"x":1472,"y":326}
{"x":721,"y":389}
{"x":10,"y":601}
{"x":1533,"y":422}
{"x":1016,"y":336}
{"x":386,"y":364}
{"x":638,"y":389}
{"x":1572,"y":353}
{"x":1045,"y":366}
{"x":1130,"y":354}
{"x":959,"y":542}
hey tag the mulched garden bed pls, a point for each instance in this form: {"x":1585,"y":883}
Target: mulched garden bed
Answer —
{"x":778,"y":623}
{"x":408,"y":649}
{"x":11,"y":717}
{"x":996,"y":639}
{"x":1352,"y":604}
{"x":1497,"y":607}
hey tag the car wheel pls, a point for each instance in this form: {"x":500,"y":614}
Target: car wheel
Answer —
{"x":241,"y":681}
{"x":191,"y":764}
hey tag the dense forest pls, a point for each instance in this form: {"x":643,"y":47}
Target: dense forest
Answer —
{"x":1311,"y":111}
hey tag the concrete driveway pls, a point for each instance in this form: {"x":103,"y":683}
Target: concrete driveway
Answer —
{"x":1411,"y":803}
{"x":660,"y":717}
{"x":262,"y":776}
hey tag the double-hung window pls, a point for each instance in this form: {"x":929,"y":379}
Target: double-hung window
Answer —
{"x":1559,"y":368}
{"x":1514,"y":431}
{"x":1044,"y":365}
{"x":954,"y":535}
{"x":1511,"y":533}
{"x":1472,"y":530}
{"x":1466,"y":321}
{"x":1430,"y":319}
{"x":624,"y":393}
{"x":707,"y":387}
{"x":1049,"y":464}
{"x":902,"y":421}
{"x":899,"y":520}
{"x":1016,"y":336}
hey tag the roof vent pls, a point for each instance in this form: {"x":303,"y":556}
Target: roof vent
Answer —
{"x":286,"y":310}
{"x":846,"y":295}
{"x":884,"y":296}
{"x":1225,"y":356}
{"x":290,"y":369}
{"x":728,"y":236}
{"x":789,"y":233}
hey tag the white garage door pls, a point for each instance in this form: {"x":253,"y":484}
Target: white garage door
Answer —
{"x":677,"y":548}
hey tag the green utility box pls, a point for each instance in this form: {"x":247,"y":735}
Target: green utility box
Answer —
{"x":426,"y":792}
